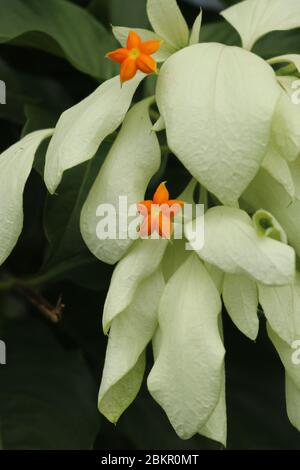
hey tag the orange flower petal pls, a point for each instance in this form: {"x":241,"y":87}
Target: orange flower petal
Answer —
{"x":133,"y":41}
{"x":150,"y":47}
{"x":149,"y":225}
{"x":165,"y":226}
{"x":171,"y":208}
{"x":128,"y":69}
{"x":175,"y":206}
{"x":145,"y":228}
{"x":146,"y":64}
{"x":161,"y":194}
{"x":119,"y":55}
{"x":144,"y":207}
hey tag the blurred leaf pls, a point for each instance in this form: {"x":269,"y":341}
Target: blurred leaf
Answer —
{"x":47,"y":393}
{"x":256,"y":410}
{"x":130,"y":13}
{"x":221,"y":32}
{"x":13,"y":109}
{"x":62,"y":226}
{"x":38,"y":118}
{"x":133,"y":15}
{"x":24,"y":89}
{"x":100,"y":9}
{"x":228,"y":3}
{"x":62,"y":29}
{"x":278,"y":43}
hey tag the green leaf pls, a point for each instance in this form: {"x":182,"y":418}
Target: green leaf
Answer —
{"x":38,"y":117}
{"x":186,"y":378}
{"x":219,"y":92}
{"x":278,"y":43}
{"x":131,"y":14}
{"x":278,"y":307}
{"x":220,"y":31}
{"x":82,"y":128}
{"x":61,"y":28}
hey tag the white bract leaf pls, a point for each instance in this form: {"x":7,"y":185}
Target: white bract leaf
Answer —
{"x":295,"y":173}
{"x":217,"y":102}
{"x":216,"y":426}
{"x":129,"y":335}
{"x":278,"y":167}
{"x":216,"y":274}
{"x":195,"y":34}
{"x":159,"y":125}
{"x":140,"y":262}
{"x":286,"y":352}
{"x":165,"y":50}
{"x":285,"y":126}
{"x":264,"y":192}
{"x":278,"y":306}
{"x":82,"y":128}
{"x":168,"y":22}
{"x":186,"y":378}
{"x":15,"y":166}
{"x":232,"y":244}
{"x":292,"y":397}
{"x":289,"y":350}
{"x":241,"y":301}
{"x":255,"y":18}
{"x":132,"y":161}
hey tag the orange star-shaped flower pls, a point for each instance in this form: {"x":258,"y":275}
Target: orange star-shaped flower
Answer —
{"x":159,"y":213}
{"x":135,"y":56}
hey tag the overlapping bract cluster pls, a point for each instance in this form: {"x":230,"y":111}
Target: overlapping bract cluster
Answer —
{"x":233,"y":124}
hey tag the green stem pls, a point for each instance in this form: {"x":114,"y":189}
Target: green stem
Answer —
{"x":47,"y":277}
{"x":56,"y":272}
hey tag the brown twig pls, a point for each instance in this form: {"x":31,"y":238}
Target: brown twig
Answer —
{"x":52,"y":313}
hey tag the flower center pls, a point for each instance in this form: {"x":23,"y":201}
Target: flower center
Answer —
{"x":134,"y":53}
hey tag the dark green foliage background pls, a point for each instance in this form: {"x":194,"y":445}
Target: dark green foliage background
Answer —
{"x":48,"y":389}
